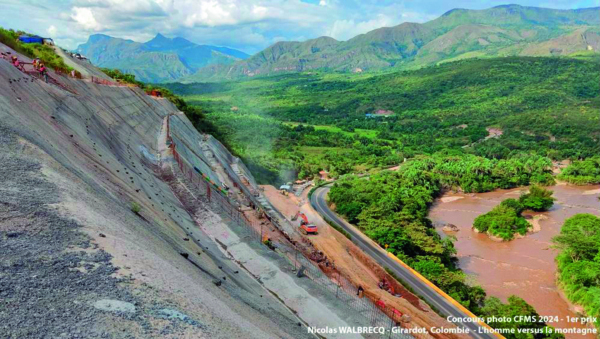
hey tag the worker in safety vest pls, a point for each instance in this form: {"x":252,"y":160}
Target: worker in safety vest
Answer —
{"x":17,"y":63}
{"x":44,"y":72}
{"x":360,"y":291}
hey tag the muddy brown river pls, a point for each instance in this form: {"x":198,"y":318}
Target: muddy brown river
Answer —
{"x":524,"y":267}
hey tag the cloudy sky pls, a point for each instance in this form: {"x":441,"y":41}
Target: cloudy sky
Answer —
{"x":248,"y":25}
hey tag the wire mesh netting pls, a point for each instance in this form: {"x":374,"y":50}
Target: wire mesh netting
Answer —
{"x":376,"y":314}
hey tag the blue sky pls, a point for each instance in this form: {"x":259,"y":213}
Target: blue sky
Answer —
{"x":248,"y":25}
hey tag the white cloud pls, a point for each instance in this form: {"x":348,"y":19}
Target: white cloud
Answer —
{"x":248,"y":24}
{"x":51,"y":30}
{"x":251,"y":25}
{"x":214,"y":13}
{"x":85,"y":18}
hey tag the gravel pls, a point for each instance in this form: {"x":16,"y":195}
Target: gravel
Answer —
{"x":54,"y":283}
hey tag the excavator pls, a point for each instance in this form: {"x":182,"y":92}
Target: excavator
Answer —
{"x":305,"y":226}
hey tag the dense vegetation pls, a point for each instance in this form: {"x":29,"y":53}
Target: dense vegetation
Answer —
{"x":123,"y":77}
{"x":579,"y":262}
{"x":312,"y":121}
{"x":45,"y":53}
{"x":582,"y":172}
{"x":537,"y":199}
{"x":514,"y":308}
{"x":391,"y":208}
{"x":504,"y":221}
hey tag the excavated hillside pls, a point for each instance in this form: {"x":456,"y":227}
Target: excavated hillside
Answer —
{"x":104,"y":234}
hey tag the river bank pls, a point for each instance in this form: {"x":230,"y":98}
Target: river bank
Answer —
{"x":524,"y":266}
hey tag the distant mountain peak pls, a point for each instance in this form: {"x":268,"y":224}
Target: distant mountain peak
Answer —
{"x":509,"y":6}
{"x":459,"y":33}
{"x":157,"y":60}
{"x":325,"y":38}
{"x":454,"y":10}
{"x":181,"y":40}
{"x":98,"y":37}
{"x":409,"y":24}
{"x":159,"y":39}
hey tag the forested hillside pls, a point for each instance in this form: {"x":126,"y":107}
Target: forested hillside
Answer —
{"x":342,"y":123}
{"x":458,"y":34}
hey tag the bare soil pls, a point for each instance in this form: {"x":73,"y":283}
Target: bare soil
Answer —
{"x":353,"y":264}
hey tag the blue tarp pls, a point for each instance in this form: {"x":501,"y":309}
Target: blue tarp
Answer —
{"x":31,"y":39}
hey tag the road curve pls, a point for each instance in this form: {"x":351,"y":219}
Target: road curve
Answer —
{"x":318,"y":202}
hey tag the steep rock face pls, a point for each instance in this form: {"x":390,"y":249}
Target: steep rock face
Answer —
{"x":83,"y":260}
{"x":158,"y":60}
{"x":460,"y":33}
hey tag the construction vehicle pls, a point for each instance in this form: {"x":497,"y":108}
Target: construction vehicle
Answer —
{"x":305,"y":226}
{"x":385,"y":285}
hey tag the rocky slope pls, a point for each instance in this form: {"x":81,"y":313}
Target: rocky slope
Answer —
{"x":460,"y":33}
{"x":99,"y":235}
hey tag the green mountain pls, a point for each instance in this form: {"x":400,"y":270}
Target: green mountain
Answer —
{"x":459,"y":33}
{"x":158,"y":60}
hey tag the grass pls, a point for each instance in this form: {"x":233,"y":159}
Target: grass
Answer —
{"x":135,"y":207}
{"x":338,"y":228}
{"x":43,"y":52}
{"x":367,"y":133}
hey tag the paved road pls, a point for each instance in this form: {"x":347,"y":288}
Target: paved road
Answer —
{"x":319,"y":203}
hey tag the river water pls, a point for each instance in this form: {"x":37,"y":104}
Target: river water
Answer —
{"x":524,"y":267}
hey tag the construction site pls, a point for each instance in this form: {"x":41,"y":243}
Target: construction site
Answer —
{"x":119,"y":219}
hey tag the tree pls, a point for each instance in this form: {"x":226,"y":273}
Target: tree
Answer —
{"x":579,"y":261}
{"x":503,"y":221}
{"x":538,"y":199}
{"x":514,"y":309}
{"x":579,"y":237}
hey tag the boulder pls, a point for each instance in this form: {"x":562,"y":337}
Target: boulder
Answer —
{"x":450,"y":228}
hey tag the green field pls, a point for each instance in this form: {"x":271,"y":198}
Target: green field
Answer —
{"x":367,"y":133}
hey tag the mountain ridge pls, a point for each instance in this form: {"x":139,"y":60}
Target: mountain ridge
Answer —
{"x":498,"y":31}
{"x":158,"y":60}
